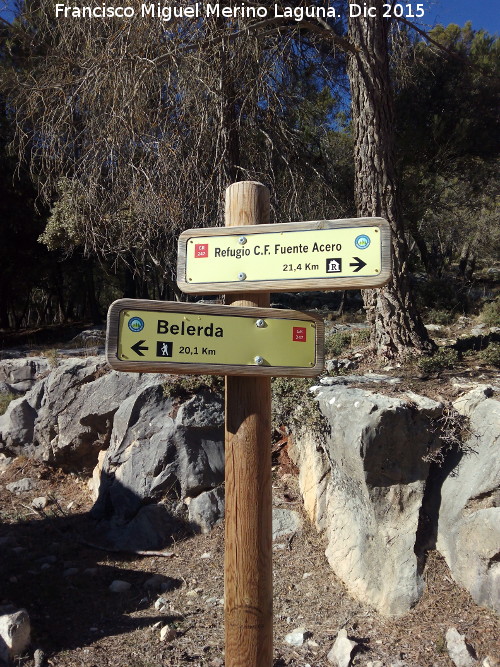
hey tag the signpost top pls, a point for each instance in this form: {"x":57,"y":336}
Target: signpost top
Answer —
{"x":294,"y":256}
{"x":183,"y":338}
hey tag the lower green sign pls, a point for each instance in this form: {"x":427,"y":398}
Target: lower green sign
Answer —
{"x":170,"y":337}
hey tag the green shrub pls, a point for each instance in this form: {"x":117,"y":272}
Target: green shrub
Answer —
{"x":339,"y":341}
{"x":5,"y":400}
{"x":294,"y":406}
{"x":184,"y":387}
{"x":443,"y":317}
{"x":491,"y":354}
{"x":445,"y":357}
{"x":336,"y":342}
{"x":441,"y":294}
{"x":490,"y":313}
{"x":52,"y":357}
{"x":360,"y":337}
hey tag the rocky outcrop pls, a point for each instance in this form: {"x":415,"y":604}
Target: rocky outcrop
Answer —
{"x":363,"y":489}
{"x":67,"y":417}
{"x":19,"y":375}
{"x":469,"y":514}
{"x":158,"y":464}
{"x":160,"y":449}
{"x":148,"y":448}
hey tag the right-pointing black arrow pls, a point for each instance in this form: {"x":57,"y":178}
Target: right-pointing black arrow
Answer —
{"x":137,"y":347}
{"x":359,"y":264}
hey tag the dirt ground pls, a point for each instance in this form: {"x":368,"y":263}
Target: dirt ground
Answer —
{"x":48,"y":568}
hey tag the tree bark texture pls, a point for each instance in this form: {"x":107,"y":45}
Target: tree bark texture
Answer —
{"x":397,"y":329}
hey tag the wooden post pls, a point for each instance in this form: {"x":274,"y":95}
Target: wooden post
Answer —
{"x":248,"y":586}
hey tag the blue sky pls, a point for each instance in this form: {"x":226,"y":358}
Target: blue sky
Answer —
{"x":483,"y":13}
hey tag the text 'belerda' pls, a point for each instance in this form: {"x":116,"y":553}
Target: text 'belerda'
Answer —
{"x":185,"y":329}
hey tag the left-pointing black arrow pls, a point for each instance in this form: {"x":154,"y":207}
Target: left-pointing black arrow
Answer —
{"x":359,"y":264}
{"x":137,"y":347}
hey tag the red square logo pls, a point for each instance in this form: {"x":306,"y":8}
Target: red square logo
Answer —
{"x":299,"y":334}
{"x":201,"y":249}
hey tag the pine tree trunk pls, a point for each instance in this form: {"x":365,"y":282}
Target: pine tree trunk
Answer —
{"x":397,"y":329}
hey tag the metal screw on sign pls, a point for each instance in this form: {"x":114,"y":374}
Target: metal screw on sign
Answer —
{"x":242,"y":276}
{"x":260,"y":324}
{"x":242,"y":240}
{"x":259,"y":361}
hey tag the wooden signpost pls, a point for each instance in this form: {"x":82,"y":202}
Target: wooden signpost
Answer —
{"x":294,"y":256}
{"x":248,"y":342}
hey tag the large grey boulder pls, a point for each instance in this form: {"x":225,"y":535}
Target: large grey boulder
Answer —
{"x":469,"y":515}
{"x":19,"y":375}
{"x":363,"y":489}
{"x":17,"y":425}
{"x":161,"y":451}
{"x":67,"y":417}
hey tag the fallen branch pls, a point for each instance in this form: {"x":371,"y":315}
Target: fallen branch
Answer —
{"x":92,"y":545}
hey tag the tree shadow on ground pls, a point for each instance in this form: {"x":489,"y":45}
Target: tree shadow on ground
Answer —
{"x":59,"y":568}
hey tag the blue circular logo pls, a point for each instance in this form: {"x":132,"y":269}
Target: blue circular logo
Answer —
{"x":362,"y":241}
{"x":135,"y":324}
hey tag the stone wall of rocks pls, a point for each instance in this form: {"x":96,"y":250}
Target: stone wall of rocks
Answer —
{"x":367,"y":488}
{"x":158,"y":462}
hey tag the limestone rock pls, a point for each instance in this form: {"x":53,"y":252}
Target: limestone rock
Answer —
{"x":5,"y":462}
{"x":467,"y":403}
{"x":40,"y":503}
{"x":297,"y":637}
{"x":161,"y":604}
{"x":159,"y":450}
{"x":15,"y":632}
{"x":80,"y":399}
{"x":340,"y":653}
{"x":207,"y":509}
{"x":119,"y":586}
{"x":89,"y":337}
{"x":66,"y":418}
{"x":426,"y":406}
{"x":285,"y":522}
{"x":5,"y":388}
{"x":17,"y":425}
{"x":458,"y":650}
{"x":469,"y":516}
{"x":21,"y":485}
{"x":363,"y":489}
{"x":95,"y":481}
{"x":21,"y":374}
{"x":167,"y":634}
{"x":39,"y":657}
{"x":369,"y":378}
{"x":150,"y":528}
{"x":158,"y":583}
